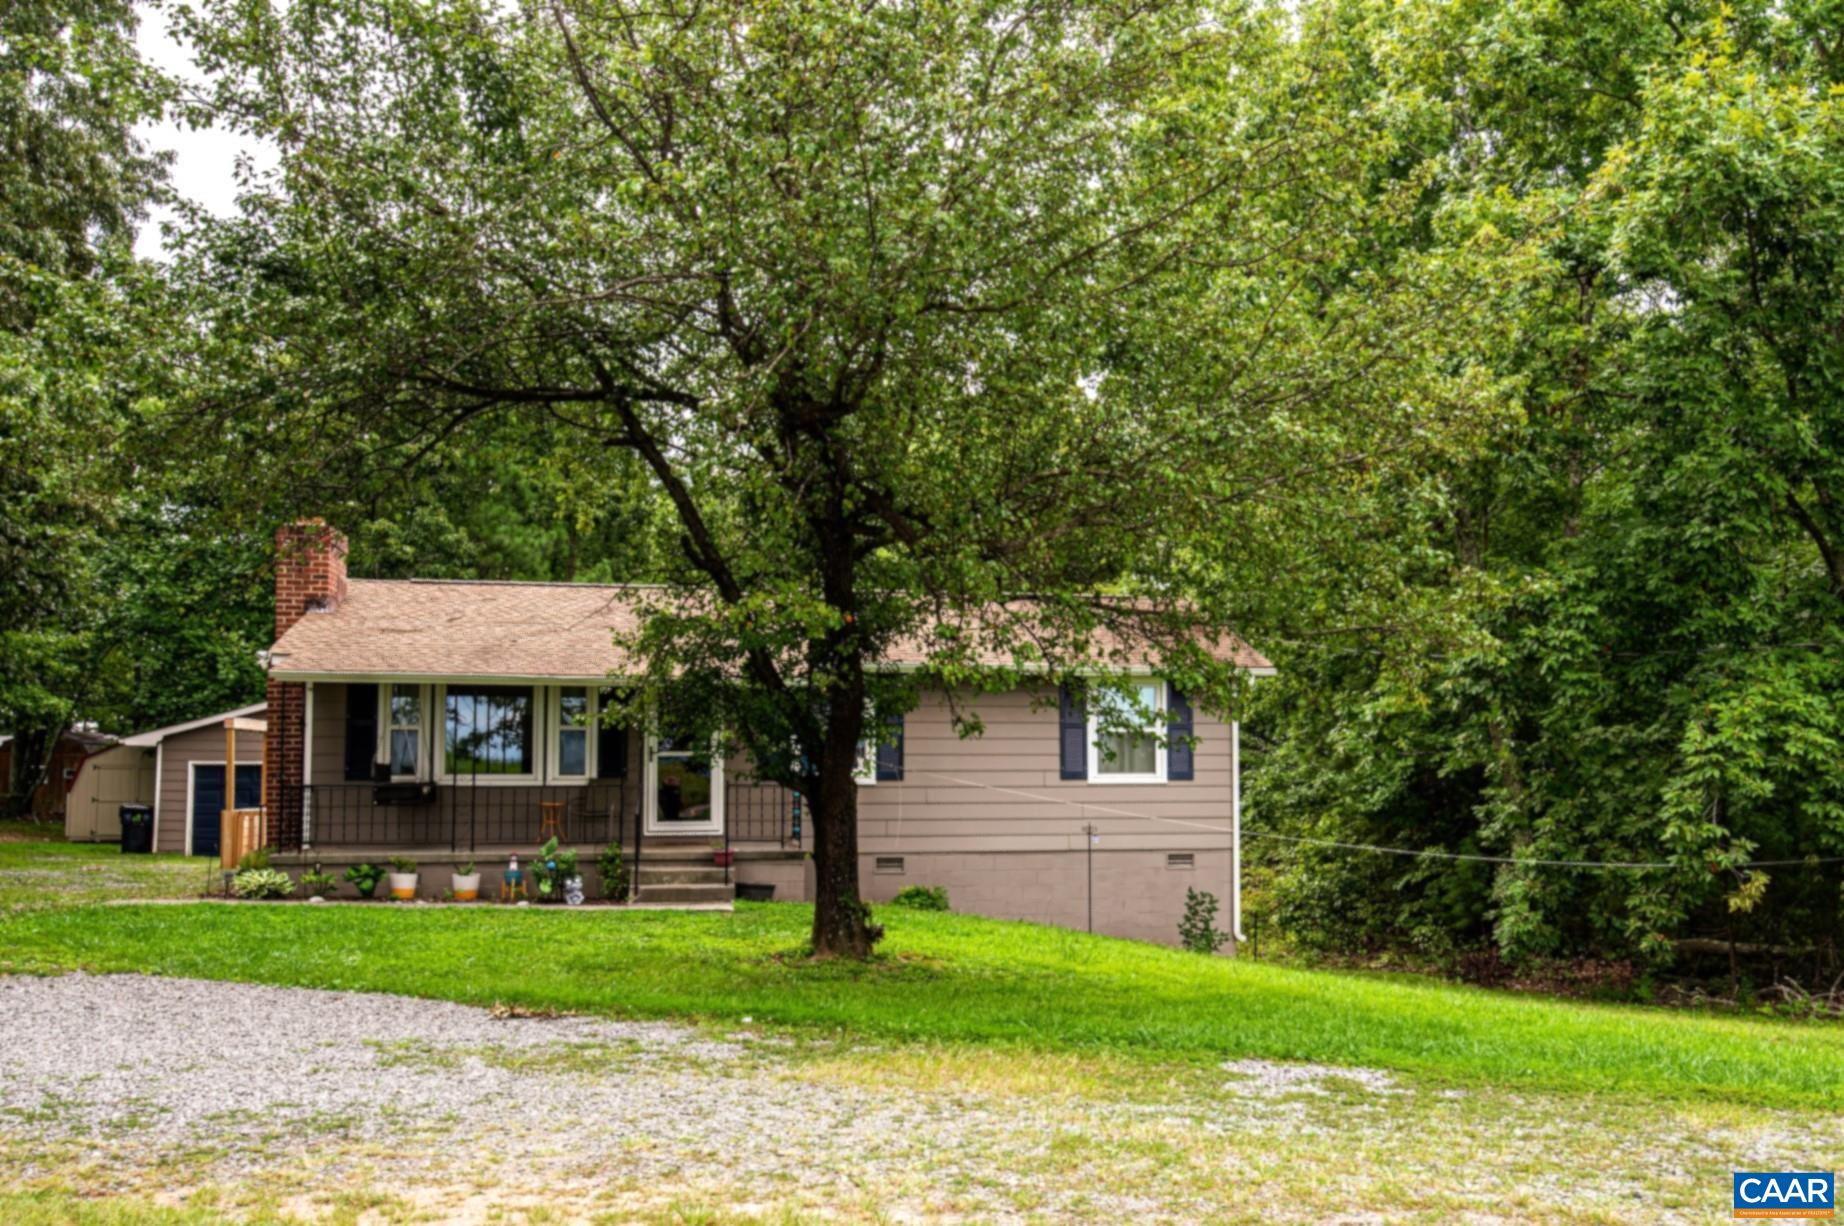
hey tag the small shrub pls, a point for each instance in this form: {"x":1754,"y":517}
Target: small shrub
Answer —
{"x":922,"y":898}
{"x":466,"y":870}
{"x":614,"y":871}
{"x":262,"y":883}
{"x":255,"y":858}
{"x":554,"y":866}
{"x":365,"y":878}
{"x":402,"y":864}
{"x":317,"y":884}
{"x":1198,"y":931}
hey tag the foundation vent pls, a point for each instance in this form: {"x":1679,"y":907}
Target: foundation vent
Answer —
{"x":1180,"y":859}
{"x":889,"y":864}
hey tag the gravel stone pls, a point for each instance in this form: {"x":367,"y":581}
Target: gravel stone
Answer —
{"x":262,"y":1076}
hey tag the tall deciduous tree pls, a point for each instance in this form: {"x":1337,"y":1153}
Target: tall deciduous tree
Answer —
{"x":907,"y":309}
{"x":73,"y":182}
{"x":1639,"y":657}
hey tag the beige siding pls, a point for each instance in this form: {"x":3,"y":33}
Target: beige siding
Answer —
{"x":1000,"y":791}
{"x":172,"y":807}
{"x":327,"y":737}
{"x":108,"y":780}
{"x":1134,"y":893}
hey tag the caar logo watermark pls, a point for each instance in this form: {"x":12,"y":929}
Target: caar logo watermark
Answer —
{"x":1784,"y":1194}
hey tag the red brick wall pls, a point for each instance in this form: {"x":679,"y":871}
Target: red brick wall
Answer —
{"x":310,"y":570}
{"x":310,"y":575}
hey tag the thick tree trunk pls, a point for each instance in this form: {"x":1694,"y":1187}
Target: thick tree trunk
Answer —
{"x":30,"y":762}
{"x":841,"y":922}
{"x":842,"y":925}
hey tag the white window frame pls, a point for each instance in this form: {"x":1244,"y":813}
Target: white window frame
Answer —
{"x":386,"y":726}
{"x":650,"y":793}
{"x":554,"y":741}
{"x":538,"y":722}
{"x":1154,"y":729}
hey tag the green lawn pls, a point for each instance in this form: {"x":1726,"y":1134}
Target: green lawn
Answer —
{"x":952,"y":980}
{"x":41,"y":873}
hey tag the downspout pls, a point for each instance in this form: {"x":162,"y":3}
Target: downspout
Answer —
{"x":1235,"y":831}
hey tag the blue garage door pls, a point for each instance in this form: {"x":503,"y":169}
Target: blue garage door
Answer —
{"x":208,"y":801}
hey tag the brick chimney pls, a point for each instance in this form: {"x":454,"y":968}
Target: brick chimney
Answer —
{"x":310,"y":571}
{"x":310,"y":577}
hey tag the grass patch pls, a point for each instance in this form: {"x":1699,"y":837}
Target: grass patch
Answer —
{"x":38,"y":873}
{"x":955,"y":980}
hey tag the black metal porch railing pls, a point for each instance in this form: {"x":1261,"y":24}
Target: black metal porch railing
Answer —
{"x":756,"y":812}
{"x":466,"y":816}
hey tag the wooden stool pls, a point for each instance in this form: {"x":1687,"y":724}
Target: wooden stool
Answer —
{"x":550,"y":819}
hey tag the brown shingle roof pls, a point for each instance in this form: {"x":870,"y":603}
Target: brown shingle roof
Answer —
{"x":462,"y":628}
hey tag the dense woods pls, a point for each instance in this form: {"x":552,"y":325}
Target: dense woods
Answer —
{"x":1616,"y":635}
{"x":1477,"y":361}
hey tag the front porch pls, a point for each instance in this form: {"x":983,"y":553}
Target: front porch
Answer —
{"x":444,"y":826}
{"x":478,"y":818}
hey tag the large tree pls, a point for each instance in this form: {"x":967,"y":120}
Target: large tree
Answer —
{"x":907,"y":310}
{"x":74,"y":180}
{"x":1635,"y":597}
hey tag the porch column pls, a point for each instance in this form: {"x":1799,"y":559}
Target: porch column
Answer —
{"x":285,"y":744}
{"x":310,"y":577}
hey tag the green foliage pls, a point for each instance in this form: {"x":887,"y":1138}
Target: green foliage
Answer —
{"x":365,"y":878}
{"x":262,"y":883}
{"x":255,"y":858}
{"x":1197,"y":930}
{"x":318,"y":884}
{"x":922,"y":898}
{"x":552,"y":866}
{"x":402,"y":864}
{"x":613,"y":866}
{"x":1090,"y":301}
{"x":1615,"y":637}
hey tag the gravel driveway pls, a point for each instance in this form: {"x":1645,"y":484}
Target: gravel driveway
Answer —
{"x":230,"y":1080}
{"x":383,"y":1108}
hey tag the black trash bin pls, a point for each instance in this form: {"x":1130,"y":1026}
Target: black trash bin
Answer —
{"x":137,"y":829}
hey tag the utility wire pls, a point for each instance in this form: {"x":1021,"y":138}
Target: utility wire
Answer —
{"x":1521,"y":860}
{"x":1087,"y":807}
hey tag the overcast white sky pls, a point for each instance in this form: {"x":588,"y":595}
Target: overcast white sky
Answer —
{"x":206,"y":159}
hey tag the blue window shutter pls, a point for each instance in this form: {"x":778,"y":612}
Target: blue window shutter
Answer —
{"x":610,"y":748}
{"x":1072,"y":736}
{"x":1180,"y":758}
{"x":610,"y":752}
{"x":890,"y":756}
{"x":361,"y":731}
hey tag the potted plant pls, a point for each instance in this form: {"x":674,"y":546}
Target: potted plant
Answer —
{"x":365,"y":879}
{"x":466,"y":883}
{"x":318,"y":884}
{"x":551,"y":872}
{"x":403,"y":878}
{"x":721,"y":855}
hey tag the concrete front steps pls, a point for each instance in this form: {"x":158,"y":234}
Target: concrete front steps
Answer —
{"x":673,"y":876}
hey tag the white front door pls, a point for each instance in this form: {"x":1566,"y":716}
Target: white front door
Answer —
{"x":684,"y":789}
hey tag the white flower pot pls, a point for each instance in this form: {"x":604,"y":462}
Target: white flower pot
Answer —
{"x":403,"y":885}
{"x":467,"y":887}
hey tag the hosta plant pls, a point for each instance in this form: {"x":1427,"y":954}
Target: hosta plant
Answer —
{"x":262,"y":883}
